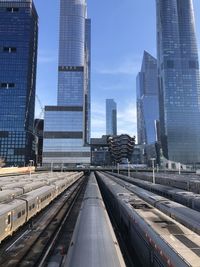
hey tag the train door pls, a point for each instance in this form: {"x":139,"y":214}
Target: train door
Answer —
{"x":9,"y":222}
{"x":38,"y":204}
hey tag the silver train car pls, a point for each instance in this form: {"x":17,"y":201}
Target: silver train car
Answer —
{"x":157,"y":239}
{"x":189,"y":199}
{"x":15,"y":213}
{"x":185,"y":182}
{"x":10,"y":194}
{"x":93,"y":242}
{"x":186,"y":216}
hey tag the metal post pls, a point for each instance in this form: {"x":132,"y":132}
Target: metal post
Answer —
{"x":118,"y":168}
{"x":31,"y":163}
{"x":157,"y":168}
{"x":52,"y":167}
{"x":129,"y":169}
{"x":153,"y":167}
{"x":179,"y":168}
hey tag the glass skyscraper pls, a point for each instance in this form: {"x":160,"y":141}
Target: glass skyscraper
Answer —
{"x":179,"y":81}
{"x":111,"y":117}
{"x":67,"y":125}
{"x":147,"y":100}
{"x":18,"y":56}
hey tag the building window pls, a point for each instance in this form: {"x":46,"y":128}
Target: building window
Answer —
{"x":10,"y":49}
{"x":7,"y":85}
{"x":193,"y":64}
{"x":170,"y":64}
{"x":12,"y":9}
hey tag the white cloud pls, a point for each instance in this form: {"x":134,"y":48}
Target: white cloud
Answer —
{"x":129,"y":66}
{"x":45,"y":57}
{"x":98,"y":119}
{"x":126,"y":119}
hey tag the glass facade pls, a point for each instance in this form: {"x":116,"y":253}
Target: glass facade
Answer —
{"x":18,"y":56}
{"x":111,"y":117}
{"x":67,"y":125}
{"x":179,"y":81}
{"x":147,"y":100}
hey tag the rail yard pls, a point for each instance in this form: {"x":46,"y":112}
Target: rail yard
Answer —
{"x":86,"y":219}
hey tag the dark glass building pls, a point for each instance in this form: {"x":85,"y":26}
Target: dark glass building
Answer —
{"x":147,"y":100}
{"x":18,"y":56}
{"x":179,"y":81}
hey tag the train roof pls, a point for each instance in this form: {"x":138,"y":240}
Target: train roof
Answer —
{"x":36,"y":192}
{"x":184,"y":242}
{"x":10,"y":205}
{"x":93,"y":242}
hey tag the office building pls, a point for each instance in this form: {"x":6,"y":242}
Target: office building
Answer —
{"x":18,"y":58}
{"x":111,"y":117}
{"x":67,"y":125}
{"x":179,"y":81}
{"x":147,"y":100}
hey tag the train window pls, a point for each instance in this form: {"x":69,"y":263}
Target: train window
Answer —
{"x":29,"y":207}
{"x":33,"y":206}
{"x":9,"y":219}
{"x":19,"y":214}
{"x":23,"y":212}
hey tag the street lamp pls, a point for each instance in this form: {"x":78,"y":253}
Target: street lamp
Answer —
{"x":179,"y":168}
{"x":31,"y":163}
{"x":129,"y":169}
{"x":153,"y":167}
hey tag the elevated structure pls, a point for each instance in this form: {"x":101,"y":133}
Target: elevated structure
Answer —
{"x":18,"y":58}
{"x":179,"y":81}
{"x":121,"y":147}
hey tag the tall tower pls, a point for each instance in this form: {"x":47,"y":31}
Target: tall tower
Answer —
{"x":111,"y":117}
{"x":179,"y":81}
{"x":18,"y":59}
{"x":67,"y":125}
{"x":147,"y":100}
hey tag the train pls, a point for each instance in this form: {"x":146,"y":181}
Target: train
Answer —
{"x":15,"y":213}
{"x":157,"y":239}
{"x":186,"y":216}
{"x":93,"y":242}
{"x":190,"y":182}
{"x":189,"y":199}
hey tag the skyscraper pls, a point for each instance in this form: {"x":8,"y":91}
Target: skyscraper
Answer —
{"x":18,"y":58}
{"x":111,"y":117}
{"x":147,"y":100}
{"x":179,"y":81}
{"x":67,"y":125}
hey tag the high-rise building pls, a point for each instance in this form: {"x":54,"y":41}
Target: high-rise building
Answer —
{"x":67,"y":125}
{"x":179,"y":81}
{"x":147,"y":100}
{"x":18,"y":58}
{"x":111,"y":117}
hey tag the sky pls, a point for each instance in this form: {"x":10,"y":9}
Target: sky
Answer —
{"x":121,"y":31}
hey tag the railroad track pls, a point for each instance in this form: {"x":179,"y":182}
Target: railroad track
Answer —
{"x":37,"y":241}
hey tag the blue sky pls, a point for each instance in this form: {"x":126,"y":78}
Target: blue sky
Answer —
{"x":121,"y":31}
